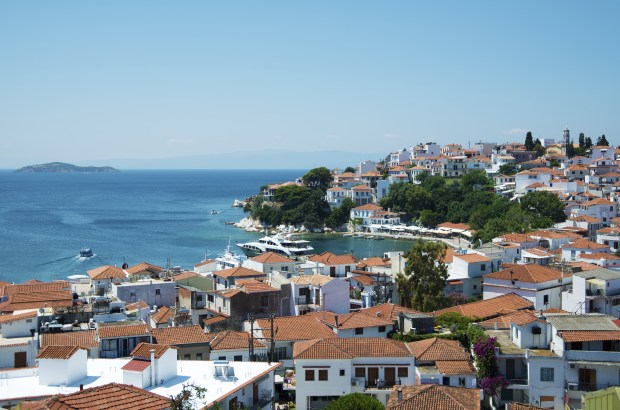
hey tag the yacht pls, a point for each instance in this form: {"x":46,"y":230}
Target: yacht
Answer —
{"x":288,"y":245}
{"x":229,"y":259}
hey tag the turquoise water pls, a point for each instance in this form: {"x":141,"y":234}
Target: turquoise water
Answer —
{"x":133,"y":216}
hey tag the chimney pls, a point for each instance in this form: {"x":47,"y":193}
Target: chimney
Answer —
{"x":400,"y":395}
{"x":81,"y":387}
{"x":153,"y":378}
{"x":336,"y":319}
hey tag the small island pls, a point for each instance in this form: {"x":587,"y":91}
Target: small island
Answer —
{"x":61,"y":167}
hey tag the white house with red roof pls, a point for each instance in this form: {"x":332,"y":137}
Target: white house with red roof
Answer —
{"x":365,"y":212}
{"x":315,"y":293}
{"x":593,"y":291}
{"x":361,"y":195}
{"x":268,"y":262}
{"x":539,"y":284}
{"x":61,"y":365}
{"x":572,"y":250}
{"x":465,"y":271}
{"x":329,"y":368}
{"x":444,"y":362}
{"x":335,"y":265}
{"x":335,"y":195}
{"x":599,"y":208}
{"x":524,"y":179}
{"x":150,"y":365}
{"x":609,"y":236}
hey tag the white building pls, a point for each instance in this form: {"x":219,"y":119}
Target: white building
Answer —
{"x":315,"y":293}
{"x":593,"y":291}
{"x":539,"y":284}
{"x":329,"y":368}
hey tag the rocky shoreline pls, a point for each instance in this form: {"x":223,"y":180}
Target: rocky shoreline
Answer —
{"x":252,"y":225}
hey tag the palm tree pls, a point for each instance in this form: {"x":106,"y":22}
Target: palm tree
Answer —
{"x":404,"y":288}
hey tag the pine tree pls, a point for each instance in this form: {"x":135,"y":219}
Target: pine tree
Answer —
{"x":582,"y":140}
{"x":588,"y":144}
{"x":602,"y":141}
{"x":529,"y":141}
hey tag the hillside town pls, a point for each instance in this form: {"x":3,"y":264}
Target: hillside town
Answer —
{"x":524,"y":319}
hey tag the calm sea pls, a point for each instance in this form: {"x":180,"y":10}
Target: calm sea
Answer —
{"x":133,"y":216}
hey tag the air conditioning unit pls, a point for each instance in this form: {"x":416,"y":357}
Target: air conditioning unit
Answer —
{"x":356,"y":383}
{"x":573,"y":386}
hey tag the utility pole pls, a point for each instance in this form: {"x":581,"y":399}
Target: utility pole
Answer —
{"x":273,"y":338}
{"x":251,"y":340}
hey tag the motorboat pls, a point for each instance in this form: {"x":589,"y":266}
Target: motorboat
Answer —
{"x":289,"y":245}
{"x":86,"y":253}
{"x":229,"y":259}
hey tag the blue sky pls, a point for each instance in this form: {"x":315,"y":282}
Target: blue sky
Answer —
{"x":87,"y":82}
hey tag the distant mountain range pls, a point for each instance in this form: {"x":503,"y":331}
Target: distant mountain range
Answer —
{"x":61,"y":167}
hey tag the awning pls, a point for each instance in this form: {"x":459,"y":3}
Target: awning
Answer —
{"x":455,"y":282}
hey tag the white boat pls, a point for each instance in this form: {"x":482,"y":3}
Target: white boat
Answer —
{"x":229,"y":259}
{"x":288,"y":245}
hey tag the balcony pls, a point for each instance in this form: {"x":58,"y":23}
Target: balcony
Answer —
{"x":518,"y":382}
{"x":303,"y":300}
{"x":586,"y":387}
{"x":376,"y":384}
{"x":610,"y":358}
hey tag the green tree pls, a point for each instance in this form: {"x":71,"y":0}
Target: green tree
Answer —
{"x":588,"y":144}
{"x":350,"y":169}
{"x":355,"y":401}
{"x":428,"y":274}
{"x":430,"y":218}
{"x":582,"y":140}
{"x":540,"y":150}
{"x":602,"y":141}
{"x":188,"y":398}
{"x":474,"y":180}
{"x":544,"y":204}
{"x":340,"y":215}
{"x":404,"y":288}
{"x":508,"y":169}
{"x":529,"y":141}
{"x":318,"y":178}
{"x":570,"y":149}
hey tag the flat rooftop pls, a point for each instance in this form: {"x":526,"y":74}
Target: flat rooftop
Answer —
{"x":23,"y":384}
{"x":507,"y":347}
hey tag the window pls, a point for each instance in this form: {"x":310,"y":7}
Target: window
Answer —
{"x":403,"y":372}
{"x":198,"y":356}
{"x":157,"y":292}
{"x":359,"y":330}
{"x":309,"y":375}
{"x":187,"y":357}
{"x":323,"y":375}
{"x":342,"y":372}
{"x":461,"y":381}
{"x":238,"y":358}
{"x":360,"y":372}
{"x":545,"y":299}
{"x":28,"y":320}
{"x":381,"y":329}
{"x":210,"y":298}
{"x":199,"y":298}
{"x":483,"y":267}
{"x":221,"y":358}
{"x":546,"y":374}
{"x":475,"y":287}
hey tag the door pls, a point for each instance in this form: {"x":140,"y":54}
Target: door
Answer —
{"x":332,"y":271}
{"x":587,"y":379}
{"x":255,"y":393}
{"x":390,"y":376}
{"x":317,"y":297}
{"x":373,"y":376}
{"x":510,"y":369}
{"x":20,"y":360}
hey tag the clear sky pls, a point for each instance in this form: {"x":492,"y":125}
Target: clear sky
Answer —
{"x":85,"y":82}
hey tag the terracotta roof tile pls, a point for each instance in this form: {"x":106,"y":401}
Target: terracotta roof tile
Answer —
{"x":271,"y":257}
{"x":430,"y":350}
{"x":387,"y":310}
{"x":584,"y":266}
{"x":296,"y":328}
{"x":84,"y":338}
{"x":314,"y":279}
{"x":232,"y":340}
{"x":585,"y":244}
{"x":331,"y":259}
{"x":180,"y":335}
{"x":37,"y":286}
{"x":162,"y":315}
{"x":57,"y":352}
{"x":504,"y":321}
{"x":136,"y":365}
{"x":136,"y":305}
{"x":348,"y":348}
{"x":254,"y":286}
{"x":455,"y":367}
{"x":143,"y":350}
{"x":238,"y":272}
{"x":589,"y":335}
{"x":106,"y":272}
{"x":352,"y":320}
{"x":436,"y":397}
{"x":185,"y":275}
{"x":110,"y":397}
{"x":472,"y":258}
{"x":485,"y":309}
{"x":364,"y":280}
{"x":14,"y":318}
{"x":114,"y":331}
{"x":143,"y":267}
{"x":529,"y":273}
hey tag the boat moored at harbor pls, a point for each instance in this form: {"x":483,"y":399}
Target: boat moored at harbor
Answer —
{"x":290,"y":245}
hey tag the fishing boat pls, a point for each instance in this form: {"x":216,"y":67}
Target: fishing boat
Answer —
{"x":86,"y":253}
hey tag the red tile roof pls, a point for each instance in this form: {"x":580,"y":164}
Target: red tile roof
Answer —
{"x":106,"y":272}
{"x":115,"y":331}
{"x":162,"y":315}
{"x":436,"y":397}
{"x":296,"y":328}
{"x":430,"y":350}
{"x":348,"y":348}
{"x":110,"y":397}
{"x":143,"y":350}
{"x":14,"y":318}
{"x":331,"y":259}
{"x":254,"y":286}
{"x":142,"y":267}
{"x":57,"y":352}
{"x":35,"y":286}
{"x":529,"y":273}
{"x":314,"y":279}
{"x":387,"y":310}
{"x":84,"y":338}
{"x":180,"y":335}
{"x":484,"y":309}
{"x":232,"y":340}
{"x":455,"y":367}
{"x":352,"y":320}
{"x":185,"y":275}
{"x":589,"y":335}
{"x":238,"y":272}
{"x":472,"y":258}
{"x":271,"y":257}
{"x":136,"y":365}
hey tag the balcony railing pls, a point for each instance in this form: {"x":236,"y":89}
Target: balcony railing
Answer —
{"x":302,"y":300}
{"x":577,"y":386}
{"x":518,"y":381}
